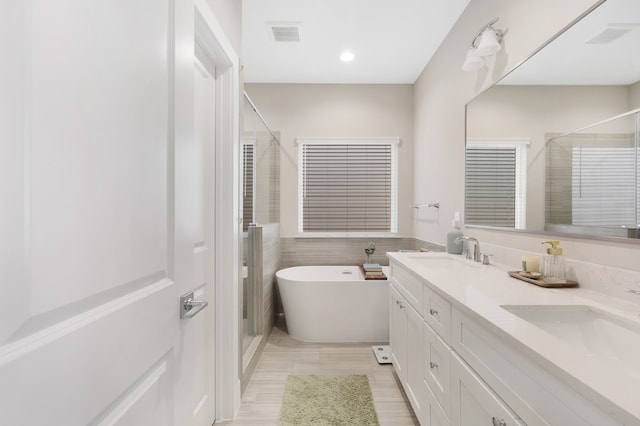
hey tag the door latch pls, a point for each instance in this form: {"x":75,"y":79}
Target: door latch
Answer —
{"x":189,"y":307}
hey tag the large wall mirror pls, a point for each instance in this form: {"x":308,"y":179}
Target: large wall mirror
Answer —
{"x":553,"y":146}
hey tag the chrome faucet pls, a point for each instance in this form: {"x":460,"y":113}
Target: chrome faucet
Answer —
{"x":476,"y":248}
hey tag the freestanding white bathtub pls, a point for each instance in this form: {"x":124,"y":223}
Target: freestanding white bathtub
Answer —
{"x":334,"y":304}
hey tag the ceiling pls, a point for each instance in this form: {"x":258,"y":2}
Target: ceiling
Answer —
{"x":589,"y":53}
{"x":392,"y":40}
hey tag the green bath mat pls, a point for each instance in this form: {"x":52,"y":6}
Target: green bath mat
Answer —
{"x":327,"y":400}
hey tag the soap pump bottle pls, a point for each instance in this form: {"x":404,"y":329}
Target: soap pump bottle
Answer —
{"x":553,"y":264}
{"x":454,"y":246}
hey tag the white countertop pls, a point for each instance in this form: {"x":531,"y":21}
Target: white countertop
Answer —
{"x":479,"y":291}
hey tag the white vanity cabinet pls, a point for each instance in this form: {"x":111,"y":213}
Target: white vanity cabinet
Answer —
{"x":459,"y":369}
{"x":441,"y":388}
{"x":408,"y":345}
{"x":406,"y":340}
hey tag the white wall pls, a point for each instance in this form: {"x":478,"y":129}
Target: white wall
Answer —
{"x":229,"y":16}
{"x":307,"y":110}
{"x":634,"y":97}
{"x":440,"y":96}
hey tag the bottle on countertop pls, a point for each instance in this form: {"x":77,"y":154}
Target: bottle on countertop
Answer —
{"x":553,"y":264}
{"x":454,"y":247}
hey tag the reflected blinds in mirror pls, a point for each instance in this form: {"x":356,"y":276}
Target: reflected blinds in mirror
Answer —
{"x":490,"y":182}
{"x":347,"y":187}
{"x":603,"y":185}
{"x":496,"y":182}
{"x":592,"y":180}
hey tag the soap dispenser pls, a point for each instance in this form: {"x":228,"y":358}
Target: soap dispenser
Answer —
{"x":553,"y":264}
{"x":454,"y":246}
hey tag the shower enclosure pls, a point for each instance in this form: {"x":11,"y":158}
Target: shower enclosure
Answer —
{"x":260,"y":198}
{"x":592,"y":178}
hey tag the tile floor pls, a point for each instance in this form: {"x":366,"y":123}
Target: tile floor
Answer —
{"x":284,"y":355}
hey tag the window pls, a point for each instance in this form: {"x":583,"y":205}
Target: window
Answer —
{"x":495,"y":183}
{"x":347,"y":186}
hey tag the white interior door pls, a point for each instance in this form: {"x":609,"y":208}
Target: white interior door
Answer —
{"x":99,"y":218}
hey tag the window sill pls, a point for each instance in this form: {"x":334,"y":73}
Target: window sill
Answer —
{"x":347,"y":235}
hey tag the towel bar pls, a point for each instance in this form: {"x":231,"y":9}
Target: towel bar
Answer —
{"x":417,"y":206}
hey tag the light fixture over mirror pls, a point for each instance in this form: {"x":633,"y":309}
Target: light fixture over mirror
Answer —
{"x":485,"y":43}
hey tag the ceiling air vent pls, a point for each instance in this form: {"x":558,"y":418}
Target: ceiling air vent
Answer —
{"x":611,"y":32}
{"x":284,"y":31}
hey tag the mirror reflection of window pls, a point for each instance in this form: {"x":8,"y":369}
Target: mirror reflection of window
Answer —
{"x":496,"y":183}
{"x":603,"y":185}
{"x":592,"y":179}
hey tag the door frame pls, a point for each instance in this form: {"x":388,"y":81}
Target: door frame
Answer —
{"x":210,"y":37}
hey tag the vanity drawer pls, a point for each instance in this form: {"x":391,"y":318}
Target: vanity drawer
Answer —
{"x":437,"y":356}
{"x":408,"y":285}
{"x":437,"y":313}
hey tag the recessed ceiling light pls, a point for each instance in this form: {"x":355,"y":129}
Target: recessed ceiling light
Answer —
{"x":347,"y":56}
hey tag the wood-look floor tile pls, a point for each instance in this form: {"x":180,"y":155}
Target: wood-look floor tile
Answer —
{"x":284,"y":355}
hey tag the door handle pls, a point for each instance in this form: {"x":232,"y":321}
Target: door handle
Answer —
{"x":189,"y":307}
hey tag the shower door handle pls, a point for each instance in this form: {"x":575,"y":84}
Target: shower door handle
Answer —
{"x":189,"y":307}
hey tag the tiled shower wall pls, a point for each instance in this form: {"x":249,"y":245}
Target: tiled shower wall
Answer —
{"x":344,"y":251}
{"x":270,"y":264}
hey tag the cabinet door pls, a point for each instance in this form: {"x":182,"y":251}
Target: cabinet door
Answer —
{"x":437,"y":362}
{"x":415,"y":361}
{"x":398,"y":334}
{"x":473,"y":403}
{"x":432,"y":413}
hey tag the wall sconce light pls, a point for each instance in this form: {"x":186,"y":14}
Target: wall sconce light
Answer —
{"x":485,"y":43}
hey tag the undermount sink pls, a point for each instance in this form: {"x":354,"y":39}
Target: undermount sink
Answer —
{"x":596,"y":333}
{"x":444,"y":261}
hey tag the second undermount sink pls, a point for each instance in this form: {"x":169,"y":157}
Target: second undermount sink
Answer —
{"x":594,"y":332}
{"x":442,"y":261}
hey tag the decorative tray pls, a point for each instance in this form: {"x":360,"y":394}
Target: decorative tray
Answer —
{"x":369,"y":276}
{"x":541,"y":282}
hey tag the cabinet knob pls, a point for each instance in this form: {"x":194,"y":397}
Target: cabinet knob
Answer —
{"x":402,"y":305}
{"x":433,"y":365}
{"x":499,"y":422}
{"x":433,"y":312}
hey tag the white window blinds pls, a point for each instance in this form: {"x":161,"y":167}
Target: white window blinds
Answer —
{"x":604,"y":190}
{"x":248,"y":177}
{"x":347,"y":186}
{"x":495,"y":184}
